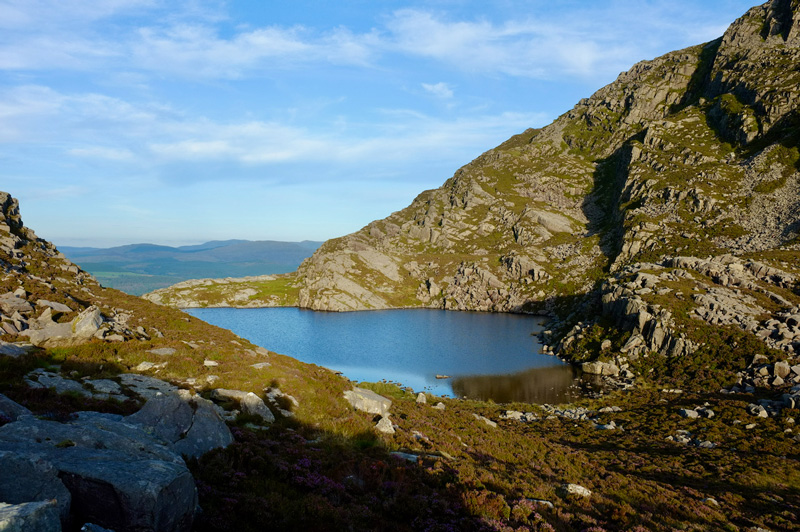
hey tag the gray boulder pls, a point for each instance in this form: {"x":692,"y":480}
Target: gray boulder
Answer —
{"x":41,"y":378}
{"x":385,"y":426}
{"x":188,"y":423}
{"x":40,"y":516}
{"x":87,"y":323}
{"x":781,"y":369}
{"x":49,"y":335}
{"x":14,"y":350}
{"x":146,"y":387}
{"x":566,"y":490}
{"x":127,"y":494}
{"x":57,"y":307}
{"x":118,"y":476}
{"x":600,"y":368}
{"x":26,"y":479}
{"x":249,"y":402}
{"x":11,"y":303}
{"x":11,"y":410}
{"x":368,"y":401}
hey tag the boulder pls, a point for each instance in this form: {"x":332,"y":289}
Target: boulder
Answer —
{"x":27,"y":479}
{"x":368,"y":401}
{"x":40,"y":516}
{"x":87,"y":323}
{"x":188,"y":423}
{"x":49,"y":335}
{"x":781,"y":369}
{"x":14,"y":350}
{"x":57,"y":307}
{"x":10,"y":410}
{"x":41,"y":378}
{"x":421,"y":398}
{"x":11,"y":303}
{"x":566,"y":490}
{"x":279,"y":399}
{"x":249,"y":402}
{"x":126,"y":494}
{"x":600,"y":368}
{"x":385,"y":426}
{"x":118,"y":476}
{"x":146,"y":387}
{"x":163,"y":351}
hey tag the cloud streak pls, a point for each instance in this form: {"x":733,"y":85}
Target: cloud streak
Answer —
{"x":584,"y":41}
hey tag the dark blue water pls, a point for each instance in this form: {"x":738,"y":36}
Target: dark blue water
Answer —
{"x":484,"y":354}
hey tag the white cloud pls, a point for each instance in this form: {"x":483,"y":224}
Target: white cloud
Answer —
{"x":440,"y":90}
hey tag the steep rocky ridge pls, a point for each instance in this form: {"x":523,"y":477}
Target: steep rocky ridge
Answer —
{"x":693,"y":153}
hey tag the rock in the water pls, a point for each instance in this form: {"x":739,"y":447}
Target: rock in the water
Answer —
{"x":190,"y":424}
{"x":39,"y":516}
{"x":368,"y":401}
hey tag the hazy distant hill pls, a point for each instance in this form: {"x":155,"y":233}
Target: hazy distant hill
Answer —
{"x":140,"y":268}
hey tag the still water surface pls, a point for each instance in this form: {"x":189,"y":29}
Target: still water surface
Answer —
{"x":487,"y":356}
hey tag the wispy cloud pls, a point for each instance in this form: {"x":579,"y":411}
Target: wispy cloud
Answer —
{"x":440,"y":90}
{"x":155,"y":138}
{"x":578,"y":41}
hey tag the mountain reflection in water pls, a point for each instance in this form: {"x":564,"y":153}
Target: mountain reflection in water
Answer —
{"x":538,"y":385}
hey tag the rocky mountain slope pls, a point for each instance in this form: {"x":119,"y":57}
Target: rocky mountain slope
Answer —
{"x":693,"y":153}
{"x":686,"y":167}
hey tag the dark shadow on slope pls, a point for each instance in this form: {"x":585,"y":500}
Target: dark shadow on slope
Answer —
{"x":602,"y":205}
{"x":700,"y":77}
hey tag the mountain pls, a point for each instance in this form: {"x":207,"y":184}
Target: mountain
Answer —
{"x":659,"y":211}
{"x":692,"y":153}
{"x":140,"y":268}
{"x":656,"y":223}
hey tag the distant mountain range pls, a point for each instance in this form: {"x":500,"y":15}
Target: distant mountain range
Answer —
{"x":140,"y":268}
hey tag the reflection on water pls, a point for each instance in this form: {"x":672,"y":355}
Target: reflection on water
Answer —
{"x":411,"y":347}
{"x":538,"y":385}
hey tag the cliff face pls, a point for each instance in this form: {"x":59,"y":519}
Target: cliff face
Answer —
{"x":692,"y":153}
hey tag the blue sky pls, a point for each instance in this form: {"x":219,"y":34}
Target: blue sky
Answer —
{"x":128,"y":121}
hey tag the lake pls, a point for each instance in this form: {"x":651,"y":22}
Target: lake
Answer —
{"x":486,"y":356}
